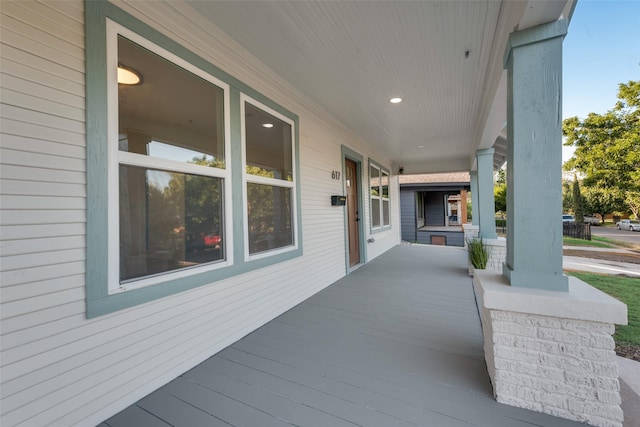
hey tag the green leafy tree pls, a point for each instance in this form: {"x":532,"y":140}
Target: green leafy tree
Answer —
{"x":607,"y":150}
{"x":567,"y":196}
{"x":633,"y":201}
{"x":578,"y":205}
{"x":500,"y":191}
{"x":603,"y":200}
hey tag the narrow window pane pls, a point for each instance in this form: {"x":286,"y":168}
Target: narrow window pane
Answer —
{"x":269,"y":213}
{"x":168,"y":221}
{"x":375,"y":213}
{"x":374,"y":181}
{"x":385,"y":185}
{"x":268,"y":144}
{"x":172,"y":114}
{"x":385,"y":212}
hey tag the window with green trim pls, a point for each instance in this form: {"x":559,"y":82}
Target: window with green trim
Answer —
{"x":269,"y":179}
{"x":168,"y":162}
{"x":379,"y":195}
{"x":173,"y":165}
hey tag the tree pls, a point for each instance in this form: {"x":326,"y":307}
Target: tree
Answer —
{"x":500,"y":191}
{"x":633,"y":201}
{"x":603,"y":200}
{"x":567,"y":196}
{"x":607,"y":148}
{"x":578,"y":205}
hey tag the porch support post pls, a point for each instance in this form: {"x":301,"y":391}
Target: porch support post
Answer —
{"x":486,"y":208}
{"x":547,"y":339}
{"x":463,"y":206}
{"x":534,"y":157}
{"x":474,"y":197}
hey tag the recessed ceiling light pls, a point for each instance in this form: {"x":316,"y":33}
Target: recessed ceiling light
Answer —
{"x":128,"y":76}
{"x":395,"y":100}
{"x":420,"y":146}
{"x":267,"y":125}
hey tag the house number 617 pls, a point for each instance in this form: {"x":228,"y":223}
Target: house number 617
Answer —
{"x":335,"y":175}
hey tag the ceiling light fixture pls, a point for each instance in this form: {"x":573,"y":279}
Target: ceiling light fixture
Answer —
{"x":128,"y":76}
{"x":395,"y":100}
{"x":267,"y":125}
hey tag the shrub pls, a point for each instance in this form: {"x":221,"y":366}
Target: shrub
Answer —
{"x":478,"y":253}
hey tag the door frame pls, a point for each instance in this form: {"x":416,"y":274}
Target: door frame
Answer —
{"x":358,"y":159}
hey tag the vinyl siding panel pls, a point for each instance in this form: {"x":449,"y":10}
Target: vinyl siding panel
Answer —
{"x":408,"y":215}
{"x":59,"y":367}
{"x":434,"y":209}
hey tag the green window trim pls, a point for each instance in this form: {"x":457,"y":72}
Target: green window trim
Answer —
{"x":379,"y":197}
{"x":98,"y":299}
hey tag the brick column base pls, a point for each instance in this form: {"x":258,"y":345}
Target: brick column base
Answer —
{"x":552,"y":352}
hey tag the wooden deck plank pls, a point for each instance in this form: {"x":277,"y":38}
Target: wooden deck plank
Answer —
{"x":135,"y":416}
{"x":179,"y":413}
{"x":396,"y":343}
{"x":232,"y":411}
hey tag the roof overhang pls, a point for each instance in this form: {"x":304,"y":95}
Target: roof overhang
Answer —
{"x":444,"y":58}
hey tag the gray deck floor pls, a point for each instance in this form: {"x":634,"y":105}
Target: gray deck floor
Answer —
{"x":396,"y":343}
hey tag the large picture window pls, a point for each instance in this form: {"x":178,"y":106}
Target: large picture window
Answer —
{"x":175,"y":196}
{"x":167,"y":146}
{"x":379,"y":185}
{"x":269,"y":179}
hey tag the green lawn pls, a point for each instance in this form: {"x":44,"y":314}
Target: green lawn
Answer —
{"x":595,"y":242}
{"x":625,"y":289}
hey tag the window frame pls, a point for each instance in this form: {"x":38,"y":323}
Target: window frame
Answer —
{"x":381,"y":170}
{"x":98,"y":297}
{"x":274,"y":182}
{"x":117,"y":158}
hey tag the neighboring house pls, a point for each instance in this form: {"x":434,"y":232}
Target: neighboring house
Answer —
{"x":433,"y":207}
{"x":149,"y":223}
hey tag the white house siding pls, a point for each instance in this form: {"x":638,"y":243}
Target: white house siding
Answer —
{"x":60,"y":368}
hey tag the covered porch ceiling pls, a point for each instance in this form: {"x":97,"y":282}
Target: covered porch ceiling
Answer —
{"x":443,"y":58}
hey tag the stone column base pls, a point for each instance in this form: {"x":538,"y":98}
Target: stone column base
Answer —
{"x":552,"y":352}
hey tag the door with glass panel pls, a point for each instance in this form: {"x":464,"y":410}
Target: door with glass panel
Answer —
{"x":353,"y":216}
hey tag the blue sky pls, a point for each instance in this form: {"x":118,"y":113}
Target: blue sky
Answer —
{"x":601,"y":50}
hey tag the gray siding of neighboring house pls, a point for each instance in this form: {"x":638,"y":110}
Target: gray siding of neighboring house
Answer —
{"x":408,"y":214}
{"x":434,"y":209}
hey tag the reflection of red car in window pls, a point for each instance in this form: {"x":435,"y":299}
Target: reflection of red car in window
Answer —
{"x":212,"y":240}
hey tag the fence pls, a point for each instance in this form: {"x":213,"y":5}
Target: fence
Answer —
{"x":577,"y":230}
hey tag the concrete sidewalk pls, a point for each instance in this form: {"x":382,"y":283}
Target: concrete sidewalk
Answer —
{"x":601,"y":266}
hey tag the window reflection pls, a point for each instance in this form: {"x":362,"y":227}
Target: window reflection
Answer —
{"x":168,"y":221}
{"x":269,"y":213}
{"x":268,"y":149}
{"x":173,"y":114}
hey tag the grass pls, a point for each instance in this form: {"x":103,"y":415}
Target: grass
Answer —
{"x":595,"y":242}
{"x":625,"y":289}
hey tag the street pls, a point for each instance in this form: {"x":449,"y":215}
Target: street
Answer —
{"x":614,"y":233}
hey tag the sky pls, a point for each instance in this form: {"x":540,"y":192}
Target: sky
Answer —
{"x":600,"y":51}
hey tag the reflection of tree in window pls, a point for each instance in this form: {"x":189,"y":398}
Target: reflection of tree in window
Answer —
{"x":166,"y":227}
{"x":269,"y":215}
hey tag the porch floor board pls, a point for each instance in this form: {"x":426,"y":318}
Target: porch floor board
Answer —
{"x":398,"y":342}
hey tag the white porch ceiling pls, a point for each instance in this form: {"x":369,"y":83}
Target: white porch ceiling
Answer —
{"x":351,"y":57}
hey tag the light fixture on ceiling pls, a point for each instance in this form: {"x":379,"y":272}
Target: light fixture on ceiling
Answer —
{"x":395,"y":100}
{"x":128,"y":76}
{"x":420,"y":146}
{"x":267,"y":125}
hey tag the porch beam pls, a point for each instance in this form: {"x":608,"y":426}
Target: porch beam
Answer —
{"x":486,"y":208}
{"x":533,"y":60}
